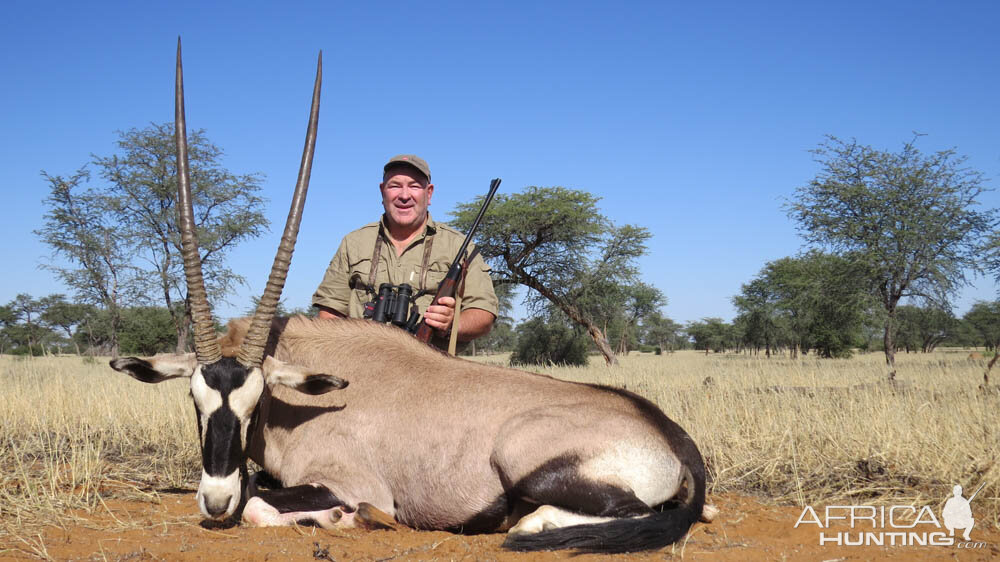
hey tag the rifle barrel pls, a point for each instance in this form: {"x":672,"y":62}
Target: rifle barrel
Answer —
{"x":977,"y":492}
{"x":494,"y":185}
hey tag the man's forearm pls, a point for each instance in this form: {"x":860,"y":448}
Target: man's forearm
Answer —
{"x":325,"y":312}
{"x":474,"y":323}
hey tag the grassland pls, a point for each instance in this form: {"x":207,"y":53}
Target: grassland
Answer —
{"x":73,"y":433}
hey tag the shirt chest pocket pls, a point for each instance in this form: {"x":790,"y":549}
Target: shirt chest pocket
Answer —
{"x":436,"y":272}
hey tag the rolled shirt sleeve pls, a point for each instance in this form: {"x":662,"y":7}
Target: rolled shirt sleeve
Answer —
{"x":479,"y":291}
{"x":334,"y":292}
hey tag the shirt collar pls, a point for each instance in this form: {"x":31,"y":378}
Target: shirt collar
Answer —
{"x":430,"y":229}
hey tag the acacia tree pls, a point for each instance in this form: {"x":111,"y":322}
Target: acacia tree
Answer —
{"x":81,"y":228}
{"x":617,"y":308}
{"x":554,"y":241}
{"x":641,"y":300}
{"x":28,"y":309}
{"x":142,"y":185}
{"x":7,"y":321}
{"x":910,"y":217}
{"x":814,"y":300}
{"x":923,"y":328}
{"x":712,"y":334}
{"x":24,"y":325}
{"x":660,"y":331}
{"x":759,"y":317}
{"x":991,"y":252}
{"x":57,"y":312}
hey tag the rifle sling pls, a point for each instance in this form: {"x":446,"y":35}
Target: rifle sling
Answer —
{"x":459,"y":293}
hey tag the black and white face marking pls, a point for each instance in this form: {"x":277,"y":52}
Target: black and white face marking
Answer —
{"x":225,"y":395}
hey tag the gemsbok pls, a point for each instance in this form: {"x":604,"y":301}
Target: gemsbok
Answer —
{"x":433,"y":441}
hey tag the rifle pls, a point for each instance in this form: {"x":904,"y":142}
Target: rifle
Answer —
{"x":449,"y":285}
{"x":977,"y":492}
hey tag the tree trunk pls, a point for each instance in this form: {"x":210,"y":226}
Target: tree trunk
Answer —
{"x":116,"y":324}
{"x":600,"y":340}
{"x":623,"y":343}
{"x":69,"y":334}
{"x":890,"y":344}
{"x":90,"y":337}
{"x":31,"y":331}
{"x":183,"y":326}
{"x":178,"y":317}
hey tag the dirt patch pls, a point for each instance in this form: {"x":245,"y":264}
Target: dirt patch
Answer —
{"x":746,"y":530}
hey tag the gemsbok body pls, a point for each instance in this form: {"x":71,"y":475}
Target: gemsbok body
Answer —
{"x":433,"y":441}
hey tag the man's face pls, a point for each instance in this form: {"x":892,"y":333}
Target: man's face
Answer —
{"x":406,"y":194}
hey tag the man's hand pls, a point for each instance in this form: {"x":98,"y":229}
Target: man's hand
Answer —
{"x":440,"y":315}
{"x":474,"y":323}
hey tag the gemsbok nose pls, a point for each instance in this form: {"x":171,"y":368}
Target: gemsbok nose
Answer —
{"x":217,"y":507}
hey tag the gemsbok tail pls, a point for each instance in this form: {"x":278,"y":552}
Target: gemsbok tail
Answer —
{"x":632,"y":534}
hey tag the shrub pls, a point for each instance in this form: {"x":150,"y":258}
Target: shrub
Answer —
{"x":541,"y":343}
{"x":146,"y":330}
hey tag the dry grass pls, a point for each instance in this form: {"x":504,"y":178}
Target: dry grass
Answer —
{"x":74,"y":433}
{"x":812,"y":430}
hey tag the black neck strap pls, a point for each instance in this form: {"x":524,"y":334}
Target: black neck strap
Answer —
{"x":377,"y":255}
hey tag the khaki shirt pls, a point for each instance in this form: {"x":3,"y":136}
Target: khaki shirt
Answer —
{"x":354,"y":257}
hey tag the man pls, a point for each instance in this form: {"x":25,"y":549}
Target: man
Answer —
{"x":407,"y":246}
{"x":957,"y":513}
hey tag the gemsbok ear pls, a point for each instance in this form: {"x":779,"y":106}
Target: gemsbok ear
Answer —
{"x":156,"y":369}
{"x":299,"y":378}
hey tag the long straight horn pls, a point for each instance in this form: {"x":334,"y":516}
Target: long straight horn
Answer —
{"x":252,"y":350}
{"x":206,"y":343}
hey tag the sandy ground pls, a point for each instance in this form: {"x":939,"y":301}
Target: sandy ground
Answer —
{"x":746,"y":530}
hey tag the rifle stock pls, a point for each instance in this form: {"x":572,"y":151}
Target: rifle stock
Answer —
{"x":449,"y":285}
{"x":447,"y":288}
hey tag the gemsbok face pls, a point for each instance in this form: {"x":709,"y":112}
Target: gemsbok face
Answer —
{"x":226,"y":395}
{"x":227,"y":390}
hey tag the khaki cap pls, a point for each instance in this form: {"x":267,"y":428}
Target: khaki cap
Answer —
{"x":410,"y":160}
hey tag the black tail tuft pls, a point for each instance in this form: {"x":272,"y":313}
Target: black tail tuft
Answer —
{"x":620,"y":535}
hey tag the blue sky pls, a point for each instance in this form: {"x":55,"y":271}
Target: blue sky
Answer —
{"x":691,"y":119}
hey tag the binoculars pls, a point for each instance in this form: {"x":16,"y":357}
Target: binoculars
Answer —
{"x":393,"y":304}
